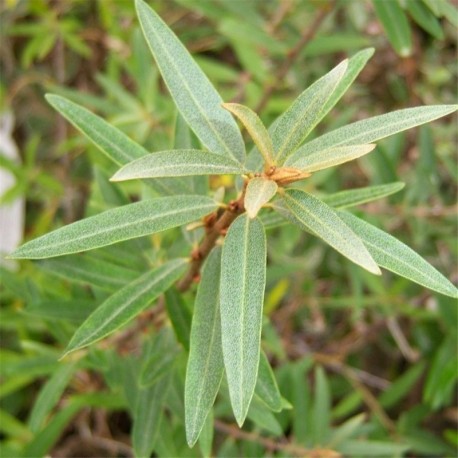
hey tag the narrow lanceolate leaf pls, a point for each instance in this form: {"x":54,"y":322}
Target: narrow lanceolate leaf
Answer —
{"x":243,"y":279}
{"x":331,"y":157}
{"x":114,"y":143}
{"x":320,"y":219}
{"x":266,"y":386}
{"x":255,"y":128}
{"x":393,"y":255}
{"x":355,"y":64}
{"x":373,"y":129}
{"x":258,"y":192}
{"x":176,"y":163}
{"x":395,"y":24}
{"x":205,"y":362}
{"x":123,"y":223}
{"x":194,"y":95}
{"x":49,"y":395}
{"x":293,"y":126}
{"x":126,"y":304}
{"x":352,"y":197}
{"x":147,"y":416}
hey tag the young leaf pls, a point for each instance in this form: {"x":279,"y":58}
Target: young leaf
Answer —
{"x":176,"y":163}
{"x":148,"y":416}
{"x":266,"y":386}
{"x":373,"y":129}
{"x":323,"y":221}
{"x":194,"y":95}
{"x":352,"y":197}
{"x":243,"y":279}
{"x":393,"y":255}
{"x":330,"y":157}
{"x":258,"y":192}
{"x":205,"y":362}
{"x":118,"y":224}
{"x":395,"y":24}
{"x":114,"y":143}
{"x":126,"y":304}
{"x":255,"y":128}
{"x":293,"y":126}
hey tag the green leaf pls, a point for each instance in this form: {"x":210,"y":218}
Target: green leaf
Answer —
{"x":293,"y":126}
{"x":243,"y":279}
{"x":90,"y":270}
{"x":363,"y":448}
{"x":266,"y":386}
{"x":321,"y":408}
{"x":352,"y":197}
{"x":355,"y":64}
{"x":179,"y":315}
{"x":176,"y":163}
{"x":393,"y":255}
{"x":258,"y":192}
{"x":320,"y":219}
{"x":255,"y":128}
{"x":118,"y":224}
{"x":331,"y":157}
{"x":425,"y":18}
{"x":126,"y":304}
{"x":396,"y":25}
{"x":205,"y":362}
{"x":372,"y":129}
{"x":206,"y":436}
{"x":49,"y":395}
{"x":194,"y":95}
{"x":147,"y":416}
{"x":111,"y":141}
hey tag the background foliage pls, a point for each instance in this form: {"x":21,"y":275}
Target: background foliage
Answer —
{"x":368,"y":364}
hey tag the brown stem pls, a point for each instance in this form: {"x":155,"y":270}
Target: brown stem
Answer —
{"x":270,"y":444}
{"x":214,"y":231}
{"x":306,"y":37}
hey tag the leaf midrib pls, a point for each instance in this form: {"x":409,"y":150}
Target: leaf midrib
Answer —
{"x":184,"y":82}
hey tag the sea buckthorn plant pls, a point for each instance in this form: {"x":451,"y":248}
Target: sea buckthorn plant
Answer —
{"x":226,"y":265}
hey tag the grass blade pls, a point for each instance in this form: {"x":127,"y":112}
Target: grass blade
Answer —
{"x":194,"y":95}
{"x":126,"y":304}
{"x":266,"y":386}
{"x":373,"y":129}
{"x":176,"y":163}
{"x":393,"y":255}
{"x":320,"y":219}
{"x":205,"y":362}
{"x":122,"y":223}
{"x":243,"y":279}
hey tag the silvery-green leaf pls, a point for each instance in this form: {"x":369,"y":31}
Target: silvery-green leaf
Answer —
{"x":293,"y":126}
{"x":126,"y":304}
{"x":373,"y":129}
{"x":266,"y":385}
{"x":243,"y":279}
{"x":352,"y":197}
{"x":205,"y":362}
{"x":320,"y":219}
{"x":176,"y":163}
{"x":394,"y":255}
{"x":194,"y":95}
{"x":255,"y":128}
{"x":355,"y":64}
{"x":118,"y":224}
{"x":114,"y":143}
{"x":331,"y":157}
{"x":258,"y":192}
